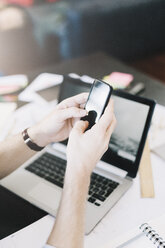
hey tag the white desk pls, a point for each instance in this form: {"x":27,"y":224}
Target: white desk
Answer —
{"x":130,"y":211}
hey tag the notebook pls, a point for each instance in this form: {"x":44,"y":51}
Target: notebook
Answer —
{"x":148,"y":235}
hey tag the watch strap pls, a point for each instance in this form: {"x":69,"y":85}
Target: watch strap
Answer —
{"x":29,"y":142}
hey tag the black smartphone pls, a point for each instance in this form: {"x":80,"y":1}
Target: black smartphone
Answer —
{"x":97,"y":101}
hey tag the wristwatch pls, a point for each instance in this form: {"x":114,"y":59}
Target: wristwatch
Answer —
{"x":29,"y":142}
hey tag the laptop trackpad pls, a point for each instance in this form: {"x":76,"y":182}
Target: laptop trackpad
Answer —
{"x":46,"y":195}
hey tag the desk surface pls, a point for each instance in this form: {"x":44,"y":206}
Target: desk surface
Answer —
{"x":99,"y":65}
{"x":131,"y":209}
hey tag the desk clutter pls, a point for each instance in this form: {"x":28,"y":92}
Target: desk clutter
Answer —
{"x":11,"y":85}
{"x":16,"y":88}
{"x":16,"y":92}
{"x":119,"y":80}
{"x":12,"y":121}
{"x":37,"y":97}
{"x":39,"y":93}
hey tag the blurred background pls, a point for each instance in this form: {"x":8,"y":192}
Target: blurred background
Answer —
{"x":35,"y":33}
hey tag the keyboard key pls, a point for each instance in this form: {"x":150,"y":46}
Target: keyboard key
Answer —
{"x":90,"y":192}
{"x":40,"y":174}
{"x":102,"y":192}
{"x":104,"y":187}
{"x":98,"y":185}
{"x":95,"y":190}
{"x":31,"y":169}
{"x":54,"y":181}
{"x":91,"y":199}
{"x":97,"y":204}
{"x":99,"y":197}
{"x":114,"y":185}
{"x":109,"y":191}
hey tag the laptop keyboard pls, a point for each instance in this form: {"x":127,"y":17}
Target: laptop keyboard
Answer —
{"x":52,"y":168}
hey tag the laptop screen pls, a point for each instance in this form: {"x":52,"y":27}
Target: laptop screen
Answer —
{"x":133,"y":116}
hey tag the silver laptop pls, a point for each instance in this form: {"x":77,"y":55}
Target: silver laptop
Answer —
{"x":40,"y":179}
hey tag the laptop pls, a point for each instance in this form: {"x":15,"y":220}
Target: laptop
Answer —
{"x":40,"y":179}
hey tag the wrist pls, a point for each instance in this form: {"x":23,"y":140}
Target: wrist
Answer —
{"x":76,"y":187}
{"x":37,"y":136}
{"x":77,"y":175}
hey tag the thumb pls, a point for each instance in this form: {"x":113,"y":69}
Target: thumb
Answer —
{"x":80,"y":126}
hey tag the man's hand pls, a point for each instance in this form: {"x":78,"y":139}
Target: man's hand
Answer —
{"x":57,"y":125}
{"x":83,"y":152}
{"x":85,"y":149}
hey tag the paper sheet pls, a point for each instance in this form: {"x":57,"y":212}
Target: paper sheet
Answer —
{"x":6,"y":109}
{"x":44,"y":80}
{"x":26,"y":116}
{"x":12,"y":83}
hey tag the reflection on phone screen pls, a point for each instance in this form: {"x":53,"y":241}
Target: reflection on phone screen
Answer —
{"x":97,"y":100}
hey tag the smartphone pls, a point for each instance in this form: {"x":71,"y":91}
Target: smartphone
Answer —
{"x":97,"y":101}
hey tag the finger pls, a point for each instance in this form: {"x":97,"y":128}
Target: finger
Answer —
{"x":107,"y":117}
{"x":74,"y":101}
{"x":82,"y":105}
{"x":74,"y":120}
{"x":72,"y":112}
{"x":80,"y":127}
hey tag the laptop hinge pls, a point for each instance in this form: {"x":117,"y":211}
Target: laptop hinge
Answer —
{"x":59,"y":147}
{"x":131,"y":175}
{"x":128,"y":177}
{"x":111,"y":168}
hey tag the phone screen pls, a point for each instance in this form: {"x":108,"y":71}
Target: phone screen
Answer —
{"x":97,"y":101}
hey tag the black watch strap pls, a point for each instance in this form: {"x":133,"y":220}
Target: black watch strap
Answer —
{"x":29,"y":142}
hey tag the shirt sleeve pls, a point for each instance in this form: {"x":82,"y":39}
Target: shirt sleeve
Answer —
{"x":48,"y":246}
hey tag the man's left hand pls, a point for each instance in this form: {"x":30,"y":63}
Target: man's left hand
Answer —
{"x":58,"y":124}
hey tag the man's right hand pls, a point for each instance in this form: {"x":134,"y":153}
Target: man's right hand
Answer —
{"x":85,"y":149}
{"x":83,"y":152}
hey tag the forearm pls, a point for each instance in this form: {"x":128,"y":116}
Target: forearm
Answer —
{"x":13,"y":153}
{"x":68,"y":231}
